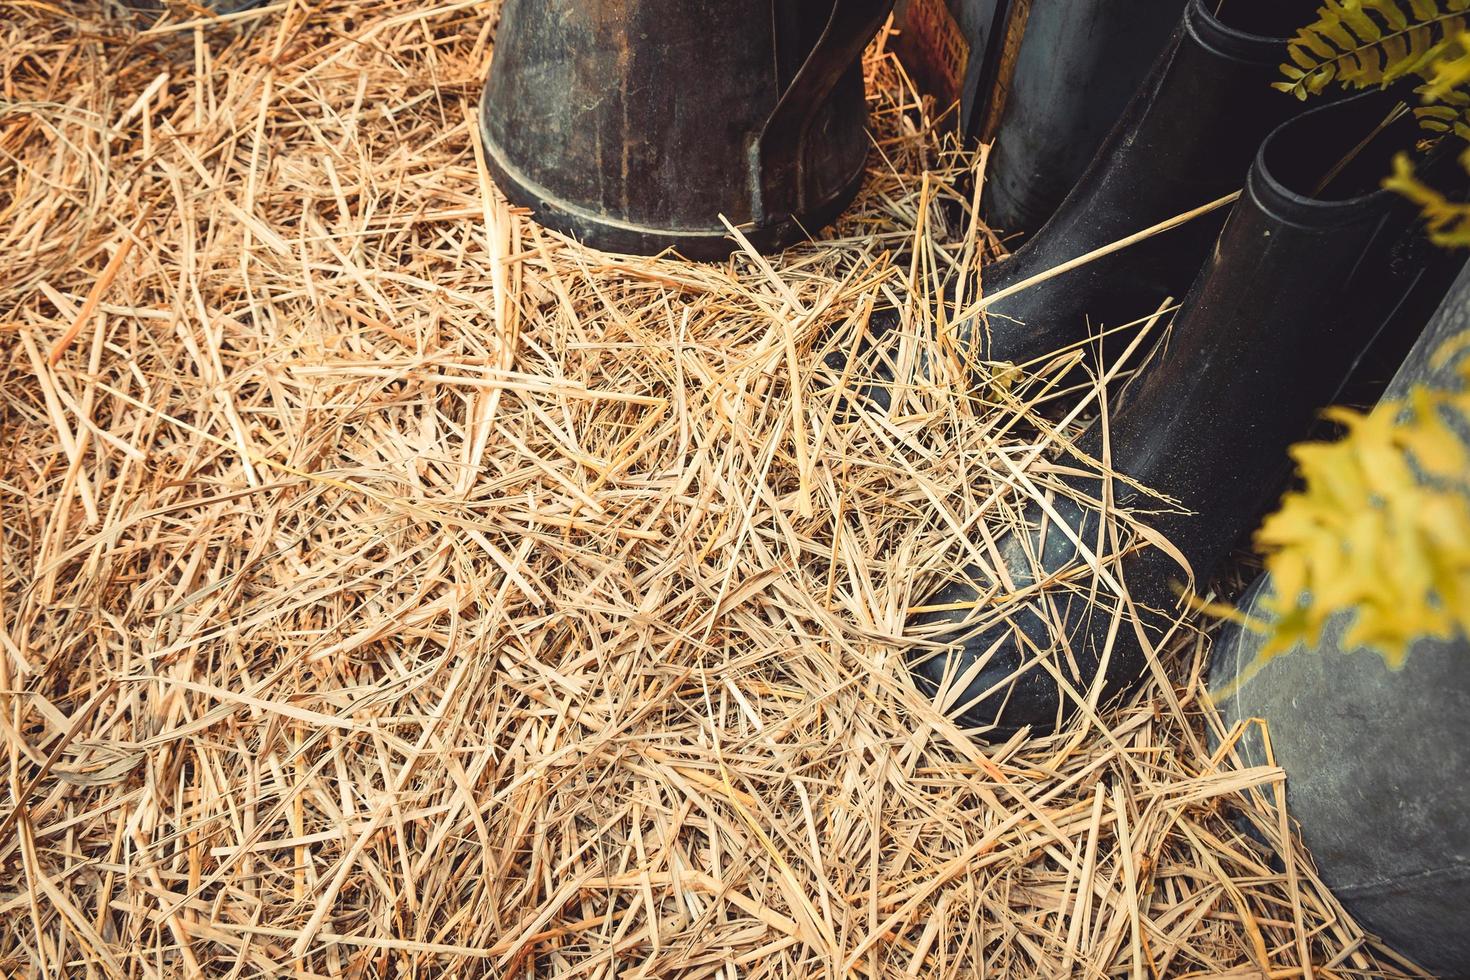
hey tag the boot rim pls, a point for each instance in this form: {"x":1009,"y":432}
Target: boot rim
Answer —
{"x":608,"y":233}
{"x":1274,"y":196}
{"x":1232,"y":42}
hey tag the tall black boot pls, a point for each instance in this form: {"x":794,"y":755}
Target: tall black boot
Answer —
{"x":1299,"y":284}
{"x":1186,"y":139}
{"x":1079,"y":64}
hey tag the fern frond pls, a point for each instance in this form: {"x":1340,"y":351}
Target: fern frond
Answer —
{"x":1448,"y":221}
{"x":1449,"y":75}
{"x":1440,"y":119}
{"x":1361,"y":43}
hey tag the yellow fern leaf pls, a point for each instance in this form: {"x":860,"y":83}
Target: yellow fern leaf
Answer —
{"x":1361,"y":43}
{"x":1449,"y":74}
{"x":1448,"y":221}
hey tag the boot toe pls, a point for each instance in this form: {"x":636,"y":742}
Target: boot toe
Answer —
{"x":992,"y":681}
{"x":1038,"y":650}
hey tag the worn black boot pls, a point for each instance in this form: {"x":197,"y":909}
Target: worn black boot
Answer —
{"x":1186,"y":139}
{"x":638,"y":125}
{"x":1300,"y":282}
{"x":1079,"y":64}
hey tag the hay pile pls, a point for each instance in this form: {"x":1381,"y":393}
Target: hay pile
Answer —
{"x":394,"y":589}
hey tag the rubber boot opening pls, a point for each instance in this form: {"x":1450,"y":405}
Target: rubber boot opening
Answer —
{"x":1343,"y":154}
{"x":1279,"y":19}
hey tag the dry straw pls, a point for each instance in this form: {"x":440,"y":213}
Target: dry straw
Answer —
{"x":392,"y":588}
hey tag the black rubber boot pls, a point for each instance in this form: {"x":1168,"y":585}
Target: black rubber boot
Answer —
{"x":638,"y":125}
{"x":1299,"y":284}
{"x":1186,"y":139}
{"x":1079,"y":64}
{"x":1375,"y":757}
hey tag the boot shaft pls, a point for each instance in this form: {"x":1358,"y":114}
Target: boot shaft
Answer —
{"x":1301,"y":282}
{"x":1079,"y":64}
{"x":1187,"y":138}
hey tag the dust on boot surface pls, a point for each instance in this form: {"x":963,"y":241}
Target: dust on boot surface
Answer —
{"x":1302,"y":280}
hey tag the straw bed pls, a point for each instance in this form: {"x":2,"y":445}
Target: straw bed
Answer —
{"x":392,"y":588}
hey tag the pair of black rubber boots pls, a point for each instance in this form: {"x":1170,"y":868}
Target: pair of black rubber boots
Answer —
{"x":1314,"y":266}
